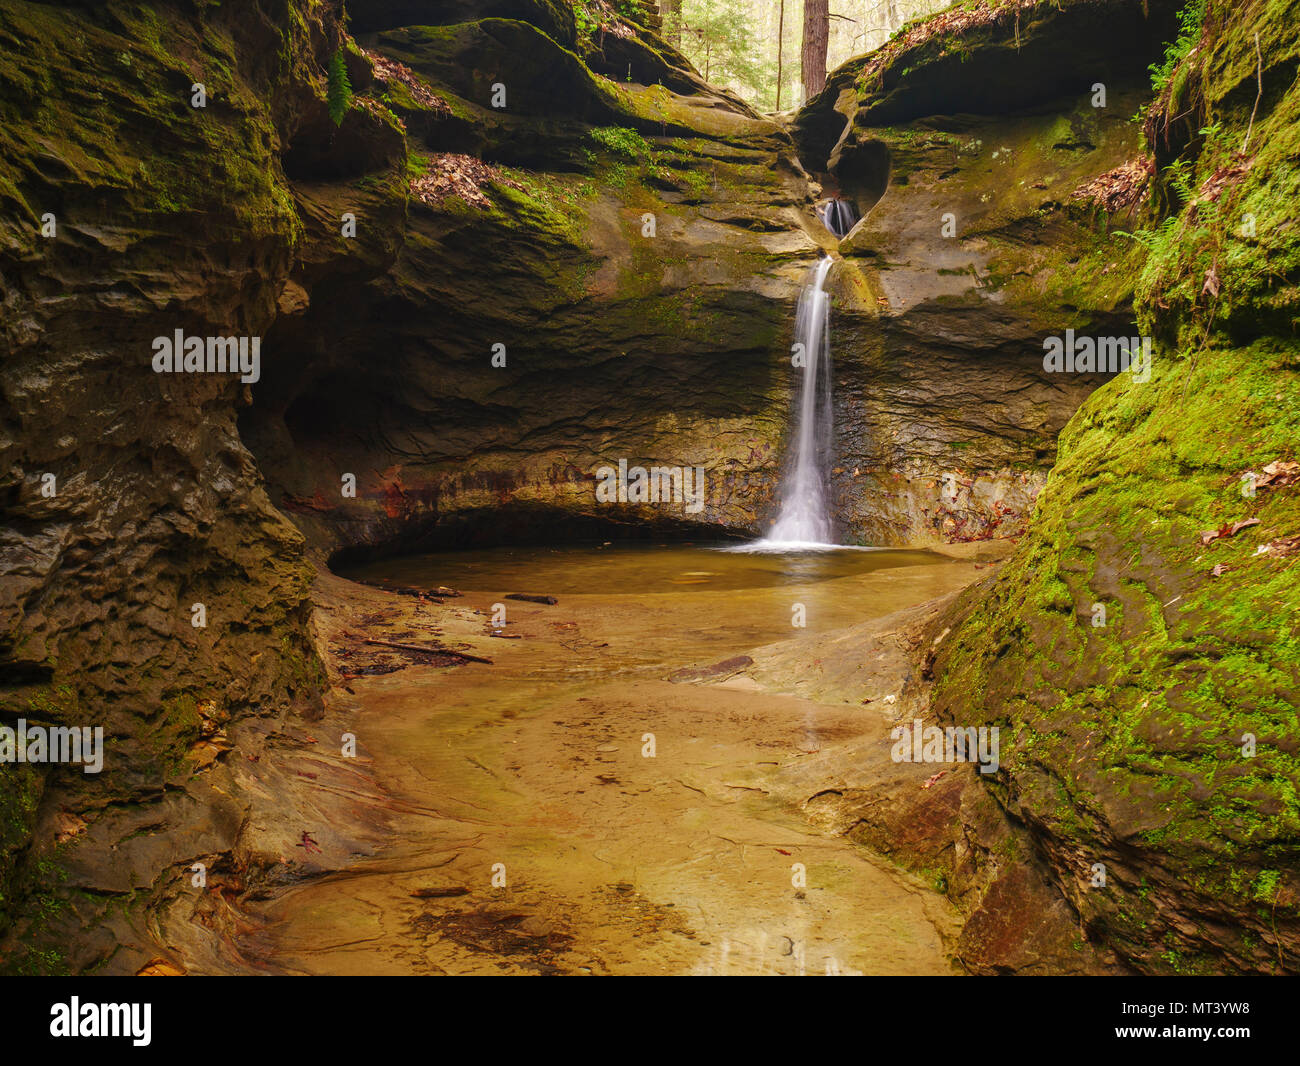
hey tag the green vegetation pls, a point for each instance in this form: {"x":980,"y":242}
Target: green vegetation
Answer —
{"x":623,"y":141}
{"x":339,"y":88}
{"x":718,"y":37}
{"x":1131,"y":735}
{"x":1190,"y":20}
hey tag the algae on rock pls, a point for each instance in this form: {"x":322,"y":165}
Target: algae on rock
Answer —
{"x":1162,"y":743}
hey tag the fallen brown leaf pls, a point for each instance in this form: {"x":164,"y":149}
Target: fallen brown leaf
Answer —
{"x":1278,"y":474}
{"x":388,"y":70}
{"x":1121,"y":187}
{"x":464,"y":176}
{"x":160,"y":968}
{"x":1212,"y":283}
{"x":1213,"y":186}
{"x":1282,"y":547}
{"x":67,"y":826}
{"x":1227,"y":530}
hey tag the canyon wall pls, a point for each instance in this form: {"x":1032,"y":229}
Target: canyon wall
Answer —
{"x":602,"y":269}
{"x":127,"y":213}
{"x":473,"y":363}
{"x":992,"y":152}
{"x":1138,"y":651}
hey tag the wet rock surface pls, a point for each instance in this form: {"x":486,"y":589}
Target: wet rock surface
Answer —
{"x":935,"y":819}
{"x":965,"y":160}
{"x":1136,"y":649}
{"x":534,"y":831}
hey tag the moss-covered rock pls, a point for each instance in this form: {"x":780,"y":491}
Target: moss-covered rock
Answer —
{"x":635,"y":252}
{"x":971,"y":144}
{"x":126,"y":213}
{"x":1139,"y":650}
{"x":987,"y":57}
{"x":553,"y":17}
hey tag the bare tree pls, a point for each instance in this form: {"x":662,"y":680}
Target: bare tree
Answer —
{"x":780,"y":54}
{"x":816,"y":31}
{"x":671,"y":13}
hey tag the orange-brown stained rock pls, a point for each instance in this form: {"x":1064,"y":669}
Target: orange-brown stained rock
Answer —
{"x":161,"y":968}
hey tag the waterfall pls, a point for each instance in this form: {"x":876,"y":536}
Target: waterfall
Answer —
{"x":838,"y":216}
{"x":804,"y":519}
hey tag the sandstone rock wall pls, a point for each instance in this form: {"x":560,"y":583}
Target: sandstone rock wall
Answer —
{"x":1138,"y":650}
{"x":127,"y":213}
{"x":630,"y":249}
{"x":969,"y":143}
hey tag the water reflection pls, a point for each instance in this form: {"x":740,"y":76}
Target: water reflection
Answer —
{"x":631,"y":568}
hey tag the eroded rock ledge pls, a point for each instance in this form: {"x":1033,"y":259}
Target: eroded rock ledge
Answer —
{"x":969,"y":144}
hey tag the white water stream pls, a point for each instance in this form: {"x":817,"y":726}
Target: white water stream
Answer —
{"x":838,"y":216}
{"x":804,"y":520}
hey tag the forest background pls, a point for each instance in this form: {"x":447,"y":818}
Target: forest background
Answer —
{"x":776,"y":53}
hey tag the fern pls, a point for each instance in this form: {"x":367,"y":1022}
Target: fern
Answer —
{"x":1190,"y":20}
{"x":338,"y":95}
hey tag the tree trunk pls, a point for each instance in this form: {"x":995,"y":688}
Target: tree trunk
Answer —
{"x":816,"y":28}
{"x":671,"y":12}
{"x":780,"y":43}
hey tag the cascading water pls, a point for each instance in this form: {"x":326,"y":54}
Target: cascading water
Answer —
{"x":804,"y":520}
{"x":838,"y":216}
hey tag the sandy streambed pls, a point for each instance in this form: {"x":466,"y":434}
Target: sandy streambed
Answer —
{"x":567,"y":809}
